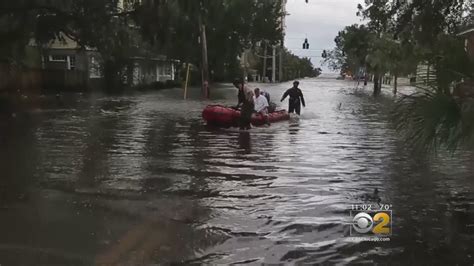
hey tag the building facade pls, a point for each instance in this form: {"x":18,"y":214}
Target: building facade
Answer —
{"x":67,"y":64}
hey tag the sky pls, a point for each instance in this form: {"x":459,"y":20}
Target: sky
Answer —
{"x":319,"y":21}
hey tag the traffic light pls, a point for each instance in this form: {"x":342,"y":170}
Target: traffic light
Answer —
{"x":324,"y":54}
{"x":306,"y":44}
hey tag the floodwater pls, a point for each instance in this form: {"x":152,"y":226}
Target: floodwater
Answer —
{"x":140,"y":179}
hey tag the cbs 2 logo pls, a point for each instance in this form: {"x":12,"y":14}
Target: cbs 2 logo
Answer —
{"x":380,"y":223}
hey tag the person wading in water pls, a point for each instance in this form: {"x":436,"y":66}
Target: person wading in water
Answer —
{"x":296,"y":98}
{"x":245,"y":102}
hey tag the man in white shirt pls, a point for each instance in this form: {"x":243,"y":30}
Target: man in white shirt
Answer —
{"x":261,"y":105}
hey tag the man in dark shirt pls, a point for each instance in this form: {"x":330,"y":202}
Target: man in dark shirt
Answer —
{"x":246,"y":103}
{"x":296,"y":98}
{"x":240,"y":96}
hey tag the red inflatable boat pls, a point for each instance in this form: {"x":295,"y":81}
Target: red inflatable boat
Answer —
{"x":218,"y":115}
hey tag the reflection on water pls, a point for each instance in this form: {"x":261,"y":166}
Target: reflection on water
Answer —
{"x":244,"y":142}
{"x":140,"y":179}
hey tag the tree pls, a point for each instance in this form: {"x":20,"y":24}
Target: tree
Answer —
{"x":146,"y":27}
{"x":232,"y":27}
{"x":352,"y":48}
{"x":404,"y":61}
{"x":407,"y":31}
{"x":397,"y":36}
{"x":425,"y":30}
{"x":380,"y":24}
{"x":46,"y":20}
{"x":296,"y":67}
{"x":387,"y":55}
{"x":20,"y":20}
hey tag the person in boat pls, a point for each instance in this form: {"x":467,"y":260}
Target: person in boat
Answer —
{"x":271,"y":106}
{"x":246,"y":103}
{"x":261,"y":105}
{"x":296,"y":98}
{"x":266,"y":95}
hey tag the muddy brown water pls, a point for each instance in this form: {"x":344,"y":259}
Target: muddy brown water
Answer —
{"x":140,"y":179}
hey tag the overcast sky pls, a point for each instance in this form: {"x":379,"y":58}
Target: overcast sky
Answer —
{"x":319,"y":21}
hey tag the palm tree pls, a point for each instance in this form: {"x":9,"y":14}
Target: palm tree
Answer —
{"x":440,"y":113}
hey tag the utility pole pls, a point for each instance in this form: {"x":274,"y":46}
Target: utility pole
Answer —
{"x":282,"y":43}
{"x":280,"y":61}
{"x":274,"y":64}
{"x":204,"y":62}
{"x":244,"y":59}
{"x":264,"y":72}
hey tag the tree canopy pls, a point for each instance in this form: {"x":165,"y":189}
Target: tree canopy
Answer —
{"x":147,"y":26}
{"x":396,"y":37}
{"x":231,"y":27}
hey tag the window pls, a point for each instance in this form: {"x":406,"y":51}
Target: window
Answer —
{"x":72,"y":62}
{"x":128,"y":5}
{"x":57,"y":58}
{"x":167,"y":69}
{"x":94,"y":68}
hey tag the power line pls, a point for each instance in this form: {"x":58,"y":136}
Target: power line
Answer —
{"x":312,"y":56}
{"x":292,"y":48}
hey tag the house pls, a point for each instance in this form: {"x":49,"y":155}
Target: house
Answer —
{"x":468,"y":34}
{"x":425,"y":74}
{"x":67,"y":64}
{"x":64,"y":64}
{"x":466,"y":88}
{"x":83,"y":66}
{"x":155,"y":69}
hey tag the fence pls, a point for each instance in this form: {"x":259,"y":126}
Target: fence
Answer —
{"x":65,"y":80}
{"x":35,"y":81}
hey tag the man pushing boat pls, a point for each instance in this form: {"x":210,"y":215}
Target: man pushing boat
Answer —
{"x":224,"y":116}
{"x":246,"y":102}
{"x":296,"y":98}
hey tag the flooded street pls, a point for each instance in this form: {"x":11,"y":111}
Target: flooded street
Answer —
{"x":141,"y":180}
